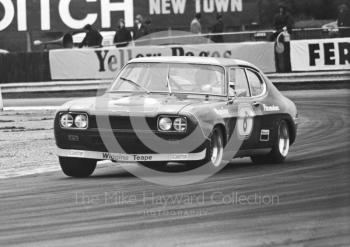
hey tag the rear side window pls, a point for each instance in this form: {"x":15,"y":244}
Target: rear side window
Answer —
{"x":257,"y":85}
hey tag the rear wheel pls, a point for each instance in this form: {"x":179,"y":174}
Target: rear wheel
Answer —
{"x":76,"y":167}
{"x":280,"y":147}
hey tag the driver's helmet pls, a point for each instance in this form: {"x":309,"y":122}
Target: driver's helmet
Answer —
{"x":202,"y":77}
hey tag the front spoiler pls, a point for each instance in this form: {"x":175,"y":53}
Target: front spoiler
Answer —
{"x":120,"y":157}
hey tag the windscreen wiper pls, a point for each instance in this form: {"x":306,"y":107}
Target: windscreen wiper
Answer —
{"x":168,"y":81}
{"x":135,"y":84}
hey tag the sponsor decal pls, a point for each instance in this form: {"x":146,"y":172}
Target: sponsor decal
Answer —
{"x":265,"y":135}
{"x":245,"y":122}
{"x":142,"y":157}
{"x":271,"y":108}
{"x":75,"y":153}
{"x":125,"y":157}
{"x":115,"y":157}
{"x":178,"y":156}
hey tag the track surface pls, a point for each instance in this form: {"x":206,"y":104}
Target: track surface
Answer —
{"x":312,"y":188}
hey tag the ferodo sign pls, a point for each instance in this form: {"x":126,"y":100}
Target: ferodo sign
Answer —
{"x":63,"y":15}
{"x":67,"y":64}
{"x":325,"y":54}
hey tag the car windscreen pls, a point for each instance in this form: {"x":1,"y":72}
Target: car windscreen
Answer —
{"x":171,"y":77}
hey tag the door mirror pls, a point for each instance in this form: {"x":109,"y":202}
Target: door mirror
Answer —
{"x":231,"y":100}
{"x":231,"y":89}
{"x":233,"y":92}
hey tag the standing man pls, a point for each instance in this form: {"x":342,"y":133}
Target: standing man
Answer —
{"x":196,"y":27}
{"x":218,"y":28}
{"x":344,"y":21}
{"x":122,"y":36}
{"x":92,"y":38}
{"x":283,"y":24}
{"x":281,"y":20}
{"x":139,"y":28}
{"x":148,"y":24}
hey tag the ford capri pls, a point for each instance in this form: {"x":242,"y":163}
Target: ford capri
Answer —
{"x":189,"y":110}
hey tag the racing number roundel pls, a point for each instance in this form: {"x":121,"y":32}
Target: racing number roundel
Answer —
{"x":245,"y":120}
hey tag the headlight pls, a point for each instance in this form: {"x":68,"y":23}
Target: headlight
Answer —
{"x":66,"y":120}
{"x":81,"y":121}
{"x":180,"y":124}
{"x":165,"y":124}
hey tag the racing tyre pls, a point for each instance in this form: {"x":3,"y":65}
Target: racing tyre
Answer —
{"x":215,"y":150}
{"x":214,"y":155}
{"x":78,"y":168}
{"x":280,"y":147}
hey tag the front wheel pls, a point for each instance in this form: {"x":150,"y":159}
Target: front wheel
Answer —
{"x":215,"y":150}
{"x":280,"y":147}
{"x":76,"y":167}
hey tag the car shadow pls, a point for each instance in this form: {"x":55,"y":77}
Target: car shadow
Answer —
{"x":233,"y":167}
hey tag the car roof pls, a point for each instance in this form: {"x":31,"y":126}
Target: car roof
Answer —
{"x":194,"y":60}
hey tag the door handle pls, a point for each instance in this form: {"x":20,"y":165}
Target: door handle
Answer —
{"x":256,"y":104}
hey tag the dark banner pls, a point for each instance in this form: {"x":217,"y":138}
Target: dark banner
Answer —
{"x":64,"y":15}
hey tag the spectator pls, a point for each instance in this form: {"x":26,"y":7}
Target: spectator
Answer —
{"x":281,"y":20}
{"x":92,"y":38}
{"x":122,"y":36}
{"x":218,"y":28}
{"x":139,"y":29}
{"x":148,"y":24}
{"x":283,"y":24}
{"x":196,"y":27}
{"x":344,"y":21}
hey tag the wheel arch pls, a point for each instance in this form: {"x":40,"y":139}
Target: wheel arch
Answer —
{"x":221,"y":126}
{"x":291,"y":129}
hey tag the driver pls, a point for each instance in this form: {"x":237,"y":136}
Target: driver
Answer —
{"x":207,"y":82}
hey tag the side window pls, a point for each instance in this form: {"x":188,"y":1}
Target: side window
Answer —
{"x":255,"y":82}
{"x":239,"y":80}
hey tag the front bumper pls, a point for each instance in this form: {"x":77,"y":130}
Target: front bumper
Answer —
{"x":121,"y":157}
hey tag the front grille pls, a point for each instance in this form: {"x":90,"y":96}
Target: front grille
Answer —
{"x":122,"y":122}
{"x":129,"y":142}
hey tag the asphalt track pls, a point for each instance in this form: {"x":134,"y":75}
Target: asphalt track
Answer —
{"x":312,"y":191}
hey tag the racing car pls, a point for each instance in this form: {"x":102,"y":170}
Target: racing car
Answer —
{"x":189,"y":110}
